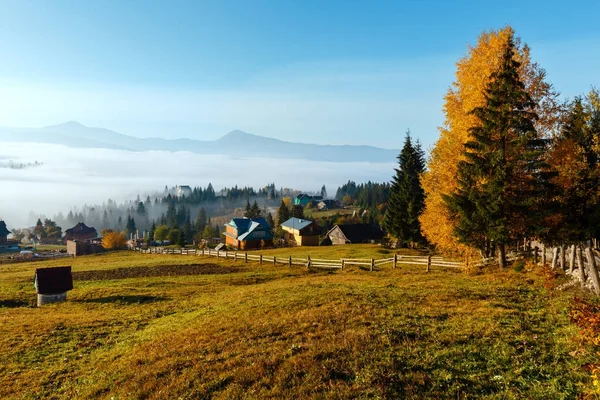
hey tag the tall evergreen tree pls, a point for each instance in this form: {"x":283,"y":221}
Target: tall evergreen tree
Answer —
{"x":152,"y":229}
{"x":575,"y":158}
{"x":407,"y":198}
{"x":201,"y":220}
{"x":130,"y":227}
{"x":283,"y":213}
{"x":501,"y":180}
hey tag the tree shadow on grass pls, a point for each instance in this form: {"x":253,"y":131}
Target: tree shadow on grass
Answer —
{"x":127,"y":300}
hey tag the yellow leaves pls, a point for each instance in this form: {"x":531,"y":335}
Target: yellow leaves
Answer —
{"x":114,"y":241}
{"x":466,"y":93}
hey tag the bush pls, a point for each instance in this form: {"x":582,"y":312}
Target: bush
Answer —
{"x":519,"y":266}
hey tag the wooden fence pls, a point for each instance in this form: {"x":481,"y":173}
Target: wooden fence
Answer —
{"x":578,"y":261}
{"x":427,"y":261}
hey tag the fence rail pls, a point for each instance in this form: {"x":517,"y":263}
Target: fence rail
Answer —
{"x":395,"y":261}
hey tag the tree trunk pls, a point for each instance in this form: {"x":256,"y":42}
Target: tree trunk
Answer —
{"x":502,"y":255}
{"x":563,"y":261}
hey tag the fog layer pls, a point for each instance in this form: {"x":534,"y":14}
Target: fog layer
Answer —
{"x":73,"y":177}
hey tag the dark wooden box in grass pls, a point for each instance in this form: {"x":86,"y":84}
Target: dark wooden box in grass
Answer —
{"x":52,"y":284}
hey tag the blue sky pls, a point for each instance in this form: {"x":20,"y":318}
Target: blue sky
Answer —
{"x":335,"y":72}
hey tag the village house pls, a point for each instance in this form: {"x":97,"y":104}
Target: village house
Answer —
{"x":354,"y":233}
{"x":302,"y":232}
{"x":7,"y":245}
{"x":324,"y":205}
{"x":246,"y":234}
{"x":303,"y":199}
{"x":183,"y":190}
{"x":81,"y":232}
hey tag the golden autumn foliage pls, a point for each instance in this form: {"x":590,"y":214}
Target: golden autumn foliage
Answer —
{"x":466,"y":93}
{"x":114,"y":241}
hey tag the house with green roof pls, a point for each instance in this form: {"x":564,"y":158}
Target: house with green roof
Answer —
{"x":247,"y":234}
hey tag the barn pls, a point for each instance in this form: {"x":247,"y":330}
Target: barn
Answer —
{"x":355,"y":233}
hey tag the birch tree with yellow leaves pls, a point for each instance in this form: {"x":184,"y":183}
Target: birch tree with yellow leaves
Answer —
{"x":466,"y":93}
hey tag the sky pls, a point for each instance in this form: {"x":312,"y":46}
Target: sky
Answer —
{"x":327,"y":72}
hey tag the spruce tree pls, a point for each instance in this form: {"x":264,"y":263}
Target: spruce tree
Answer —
{"x":255,"y":210}
{"x":406,"y":199}
{"x":201,"y":220}
{"x":152,"y":229}
{"x":502,"y":178}
{"x":283,"y":213}
{"x":574,"y":156}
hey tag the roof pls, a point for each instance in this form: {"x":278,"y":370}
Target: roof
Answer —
{"x":245,"y":226}
{"x":329,"y":202}
{"x":53,"y":280}
{"x":359,"y":233}
{"x":80,"y":228}
{"x":3,"y":230}
{"x":296,"y":223}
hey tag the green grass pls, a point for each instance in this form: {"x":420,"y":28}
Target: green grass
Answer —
{"x":139,"y":326}
{"x":314,"y":213}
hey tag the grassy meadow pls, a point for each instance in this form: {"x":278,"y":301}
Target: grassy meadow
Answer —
{"x":160,"y":326}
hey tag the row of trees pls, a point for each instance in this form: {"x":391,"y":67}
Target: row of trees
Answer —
{"x":512,"y":161}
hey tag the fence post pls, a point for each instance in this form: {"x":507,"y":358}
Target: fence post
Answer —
{"x":581,"y":266}
{"x":593,"y":270}
{"x":226,"y":254}
{"x":235,"y":255}
{"x":260,"y":259}
{"x":572,"y":259}
{"x":554,"y":257}
{"x":308,"y":262}
{"x":217,"y":254}
{"x":290,"y":261}
{"x":246,"y":257}
{"x":543,"y":254}
{"x":395,"y":260}
{"x":372,"y":264}
{"x":428,"y":263}
{"x":535,"y":255}
{"x":342,"y":264}
{"x":274,"y":260}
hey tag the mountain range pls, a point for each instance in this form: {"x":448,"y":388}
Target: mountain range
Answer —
{"x":236,"y":143}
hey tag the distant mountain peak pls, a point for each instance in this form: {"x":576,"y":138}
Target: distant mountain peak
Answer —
{"x":236,"y":133}
{"x":68,"y":124}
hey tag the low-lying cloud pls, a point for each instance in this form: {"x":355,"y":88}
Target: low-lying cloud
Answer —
{"x":74,"y":177}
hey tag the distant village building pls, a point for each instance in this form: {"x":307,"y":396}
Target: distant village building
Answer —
{"x":354,"y":233}
{"x":183,"y":190}
{"x":325,"y":205}
{"x":4,"y":232}
{"x":81,"y":232}
{"x":301,"y":231}
{"x":303,"y":199}
{"x":246,"y":234}
{"x":7,"y":245}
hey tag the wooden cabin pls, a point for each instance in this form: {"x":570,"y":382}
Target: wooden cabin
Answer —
{"x":81,"y":232}
{"x":302,"y":232}
{"x":246,"y":233}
